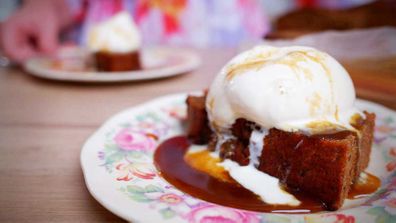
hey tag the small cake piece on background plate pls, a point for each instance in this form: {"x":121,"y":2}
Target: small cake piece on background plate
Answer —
{"x":115,"y":44}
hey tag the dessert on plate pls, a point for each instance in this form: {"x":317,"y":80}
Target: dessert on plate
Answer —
{"x":115,"y":44}
{"x":284,"y":117}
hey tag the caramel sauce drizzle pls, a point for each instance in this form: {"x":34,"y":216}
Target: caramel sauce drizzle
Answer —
{"x":323,"y":127}
{"x":364,"y":186}
{"x":211,"y":102}
{"x":199,"y":175}
{"x":314,"y":103}
{"x":291,"y":60}
{"x":237,"y":69}
{"x":206,"y":163}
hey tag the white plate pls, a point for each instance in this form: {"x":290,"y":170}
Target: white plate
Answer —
{"x":117,"y":161}
{"x":158,"y":62}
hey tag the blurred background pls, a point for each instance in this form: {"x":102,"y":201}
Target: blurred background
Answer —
{"x":346,"y":29}
{"x":228,"y":23}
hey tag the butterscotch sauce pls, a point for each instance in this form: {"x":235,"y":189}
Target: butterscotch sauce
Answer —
{"x":217,"y":187}
{"x":169,"y":159}
{"x":364,"y":186}
{"x":206,"y":163}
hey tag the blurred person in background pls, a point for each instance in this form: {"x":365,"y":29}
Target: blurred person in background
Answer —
{"x":40,"y":26}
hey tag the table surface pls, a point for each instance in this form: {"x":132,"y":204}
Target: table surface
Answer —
{"x":43,"y":125}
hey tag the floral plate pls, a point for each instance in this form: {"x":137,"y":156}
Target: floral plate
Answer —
{"x":117,"y":162}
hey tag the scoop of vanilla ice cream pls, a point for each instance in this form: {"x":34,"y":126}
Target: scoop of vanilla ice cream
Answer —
{"x":289,"y":88}
{"x":119,"y":34}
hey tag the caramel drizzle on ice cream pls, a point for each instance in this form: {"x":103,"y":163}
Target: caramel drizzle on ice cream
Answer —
{"x":291,"y":60}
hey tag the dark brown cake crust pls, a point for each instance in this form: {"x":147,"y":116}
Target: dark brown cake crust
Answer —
{"x":198,"y":130}
{"x":366,"y":128}
{"x":117,"y":61}
{"x":321,"y":165}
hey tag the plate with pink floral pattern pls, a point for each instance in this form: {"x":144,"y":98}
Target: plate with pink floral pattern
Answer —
{"x":117,"y":161}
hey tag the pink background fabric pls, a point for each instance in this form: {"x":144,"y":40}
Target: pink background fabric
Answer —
{"x":199,"y":23}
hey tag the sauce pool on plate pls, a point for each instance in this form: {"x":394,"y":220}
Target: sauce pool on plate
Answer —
{"x":171,"y":162}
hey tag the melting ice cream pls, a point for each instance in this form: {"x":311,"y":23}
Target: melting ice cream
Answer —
{"x":288,"y":88}
{"x":119,"y":34}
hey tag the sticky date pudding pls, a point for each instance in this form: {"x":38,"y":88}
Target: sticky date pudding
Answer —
{"x":277,"y":132}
